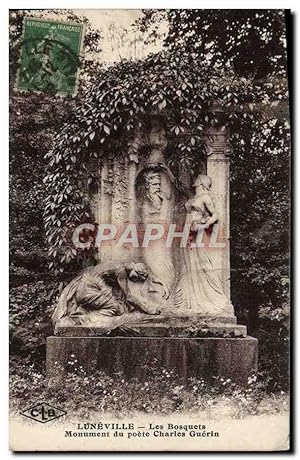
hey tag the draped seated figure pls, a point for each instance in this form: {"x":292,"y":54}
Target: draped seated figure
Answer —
{"x":111,"y":293}
{"x":106,"y":294}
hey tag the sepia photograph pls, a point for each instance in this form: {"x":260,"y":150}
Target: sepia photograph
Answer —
{"x":150,"y":209}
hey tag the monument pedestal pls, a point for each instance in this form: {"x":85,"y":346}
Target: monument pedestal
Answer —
{"x":200,"y":353}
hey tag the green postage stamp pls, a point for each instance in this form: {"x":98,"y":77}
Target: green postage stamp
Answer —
{"x":50,"y":56}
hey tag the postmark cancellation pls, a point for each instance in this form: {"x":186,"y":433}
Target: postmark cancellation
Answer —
{"x":49,"y":60}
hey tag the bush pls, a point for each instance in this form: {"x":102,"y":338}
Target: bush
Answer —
{"x":80,"y":394}
{"x":273,"y":348}
{"x":31,"y":306}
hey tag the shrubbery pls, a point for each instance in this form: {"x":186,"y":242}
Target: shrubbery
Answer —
{"x":31,"y":309}
{"x":259,"y":212}
{"x":274,"y":347}
{"x":81,"y":394}
{"x":31,"y":306}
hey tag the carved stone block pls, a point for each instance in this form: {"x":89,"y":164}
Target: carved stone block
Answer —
{"x":135,"y":356}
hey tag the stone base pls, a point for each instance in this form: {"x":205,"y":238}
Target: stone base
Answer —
{"x":138,"y":324}
{"x":234,"y":358}
{"x":155,"y":330}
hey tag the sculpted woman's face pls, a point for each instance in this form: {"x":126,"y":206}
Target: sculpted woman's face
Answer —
{"x":202,"y":181}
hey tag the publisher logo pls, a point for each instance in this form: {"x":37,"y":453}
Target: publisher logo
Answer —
{"x":43,"y":412}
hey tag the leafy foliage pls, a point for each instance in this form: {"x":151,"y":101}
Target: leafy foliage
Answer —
{"x":251,"y":42}
{"x":200,"y":80}
{"x":34,"y":120}
{"x":82,"y":394}
{"x":197,"y":74}
{"x":177,"y":87}
{"x":31,"y":306}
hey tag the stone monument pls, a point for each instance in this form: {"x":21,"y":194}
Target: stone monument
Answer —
{"x":160,"y":291}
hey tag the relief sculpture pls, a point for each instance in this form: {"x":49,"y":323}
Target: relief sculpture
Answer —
{"x":201,"y":284}
{"x":157,"y":280}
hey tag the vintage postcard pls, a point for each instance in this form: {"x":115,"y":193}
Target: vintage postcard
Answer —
{"x":150,"y":156}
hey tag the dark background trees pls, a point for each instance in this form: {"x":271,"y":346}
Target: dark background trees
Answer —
{"x":34,"y":120}
{"x":252,"y":43}
{"x":236,"y":58}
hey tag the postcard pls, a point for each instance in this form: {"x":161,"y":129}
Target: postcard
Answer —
{"x":150,"y":155}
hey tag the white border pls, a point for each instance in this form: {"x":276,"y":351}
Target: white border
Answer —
{"x":94,"y":4}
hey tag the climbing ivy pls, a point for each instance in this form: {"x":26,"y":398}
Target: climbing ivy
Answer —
{"x":190,"y":92}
